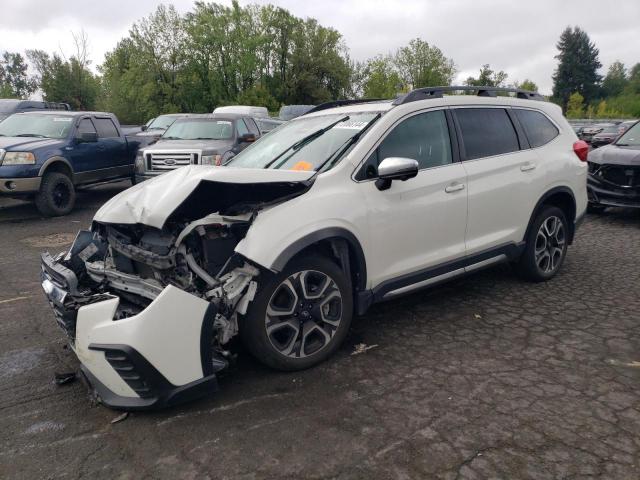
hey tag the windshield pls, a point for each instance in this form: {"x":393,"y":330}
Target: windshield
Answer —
{"x":199,"y":129}
{"x":162,"y":122}
{"x":44,"y":126}
{"x":631,"y":137}
{"x":280,"y":149}
{"x":7,"y":106}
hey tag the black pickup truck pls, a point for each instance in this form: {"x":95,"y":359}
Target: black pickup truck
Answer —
{"x":47,"y":155}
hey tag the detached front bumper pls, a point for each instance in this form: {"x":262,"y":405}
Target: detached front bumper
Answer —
{"x":606,"y":194}
{"x":159,"y":357}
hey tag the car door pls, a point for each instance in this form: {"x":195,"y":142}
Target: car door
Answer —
{"x":84,"y":156}
{"x":112,"y":148}
{"x":502,"y":175}
{"x":416,"y":226}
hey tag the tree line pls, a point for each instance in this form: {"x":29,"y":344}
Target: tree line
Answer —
{"x":264,"y":55}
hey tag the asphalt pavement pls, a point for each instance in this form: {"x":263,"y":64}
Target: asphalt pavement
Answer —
{"x":484,"y":377}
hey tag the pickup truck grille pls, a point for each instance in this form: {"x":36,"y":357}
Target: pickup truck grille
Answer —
{"x":164,"y":161}
{"x":624,"y":176}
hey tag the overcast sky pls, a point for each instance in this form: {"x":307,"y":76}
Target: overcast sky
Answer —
{"x":512,"y":35}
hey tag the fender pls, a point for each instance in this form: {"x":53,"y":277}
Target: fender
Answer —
{"x":326,"y":234}
{"x":541,"y":201}
{"x":53,"y":160}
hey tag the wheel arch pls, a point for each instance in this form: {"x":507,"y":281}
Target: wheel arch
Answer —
{"x":57,"y":164}
{"x":561,"y":197}
{"x":337,"y":241}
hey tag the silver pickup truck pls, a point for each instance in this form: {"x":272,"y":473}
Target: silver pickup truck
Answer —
{"x":210,"y":139}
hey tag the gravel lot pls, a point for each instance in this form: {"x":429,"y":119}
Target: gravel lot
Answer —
{"x":483,"y":377}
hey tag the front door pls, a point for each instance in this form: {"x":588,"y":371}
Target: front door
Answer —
{"x":418,"y":225}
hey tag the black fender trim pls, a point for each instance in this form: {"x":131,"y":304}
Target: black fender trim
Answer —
{"x":543,"y":198}
{"x":154,"y":390}
{"x":326,"y":234}
{"x":51,"y":161}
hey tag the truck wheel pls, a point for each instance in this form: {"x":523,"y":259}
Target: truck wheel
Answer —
{"x":299,"y":316}
{"x":56,"y":196}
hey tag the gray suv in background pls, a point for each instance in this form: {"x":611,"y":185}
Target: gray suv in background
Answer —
{"x":209,"y":139}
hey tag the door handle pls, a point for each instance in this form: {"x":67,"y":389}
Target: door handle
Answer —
{"x":528,"y":166}
{"x":454,"y":187}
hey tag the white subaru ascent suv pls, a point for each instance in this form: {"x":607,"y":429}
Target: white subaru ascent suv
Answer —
{"x":350,"y":204}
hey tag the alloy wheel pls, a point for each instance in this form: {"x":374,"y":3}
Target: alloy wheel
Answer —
{"x":550,"y":244}
{"x":61,"y":195}
{"x":303,"y":313}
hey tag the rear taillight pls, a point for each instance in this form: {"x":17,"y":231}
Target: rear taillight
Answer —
{"x":581,"y":149}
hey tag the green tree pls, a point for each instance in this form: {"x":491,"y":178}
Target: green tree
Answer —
{"x":575,"y":106}
{"x":487,"y":78}
{"x":422,"y":65}
{"x":14,"y":79}
{"x":527,"y":84}
{"x":578,"y":66}
{"x":381,"y":80}
{"x":615,"y":81}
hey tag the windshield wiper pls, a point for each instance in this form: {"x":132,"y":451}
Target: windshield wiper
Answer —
{"x":171,"y":138}
{"x":301,"y":143}
{"x":335,"y":156}
{"x":622,"y":144}
{"x":30,"y":135}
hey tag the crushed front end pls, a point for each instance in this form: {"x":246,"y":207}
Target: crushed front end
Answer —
{"x":149,"y":311}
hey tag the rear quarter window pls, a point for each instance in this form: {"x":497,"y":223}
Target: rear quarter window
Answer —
{"x":486,"y":132}
{"x":537,"y":127}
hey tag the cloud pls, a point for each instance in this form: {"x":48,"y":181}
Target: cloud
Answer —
{"x":517,"y":37}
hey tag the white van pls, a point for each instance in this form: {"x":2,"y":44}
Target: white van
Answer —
{"x":249,"y":110}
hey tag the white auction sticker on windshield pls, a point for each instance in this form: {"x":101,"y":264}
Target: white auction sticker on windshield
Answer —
{"x":352,"y":125}
{"x":62,"y":119}
{"x":223,"y":122}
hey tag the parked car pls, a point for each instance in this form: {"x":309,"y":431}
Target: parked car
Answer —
{"x":10,"y":106}
{"x":606,"y":136}
{"x":590,"y":131}
{"x":247,"y":110}
{"x":46,"y":155}
{"x":614,"y":173}
{"x":289,"y":112}
{"x":155,"y":128}
{"x":208,"y":139}
{"x":626,"y":125}
{"x":265,"y":125}
{"x":334,"y":211}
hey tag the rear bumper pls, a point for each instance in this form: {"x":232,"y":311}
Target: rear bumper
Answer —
{"x":159,"y":357}
{"x":9,"y":186}
{"x":600,"y":193}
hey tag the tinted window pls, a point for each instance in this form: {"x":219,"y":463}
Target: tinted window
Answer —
{"x":105,"y":127}
{"x":486,"y":132}
{"x":241,"y":127}
{"x":537,"y":127}
{"x":423,"y":137}
{"x":253,"y":128}
{"x":86,"y":126}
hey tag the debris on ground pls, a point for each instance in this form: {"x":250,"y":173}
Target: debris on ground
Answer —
{"x":361,"y":348}
{"x":120,"y":418}
{"x":618,"y":363}
{"x":477,"y":315}
{"x":65,"y":378}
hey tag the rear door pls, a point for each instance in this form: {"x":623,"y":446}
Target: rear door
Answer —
{"x":503,"y":174}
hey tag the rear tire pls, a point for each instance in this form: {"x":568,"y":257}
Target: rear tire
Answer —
{"x":546,"y":246}
{"x":299,"y":316}
{"x":57,"y":196}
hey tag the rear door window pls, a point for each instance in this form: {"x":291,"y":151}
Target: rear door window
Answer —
{"x":106,"y":128}
{"x":537,"y":127}
{"x":486,"y":132}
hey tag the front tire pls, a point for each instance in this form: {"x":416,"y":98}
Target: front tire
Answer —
{"x":57,"y":196}
{"x":300,"y":316}
{"x":546,"y":246}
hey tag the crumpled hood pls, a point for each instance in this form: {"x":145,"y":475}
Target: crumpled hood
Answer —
{"x":27,"y":143}
{"x":614,"y":155}
{"x":210,"y":189}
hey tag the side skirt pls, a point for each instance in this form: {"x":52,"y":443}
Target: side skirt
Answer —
{"x":438,"y":274}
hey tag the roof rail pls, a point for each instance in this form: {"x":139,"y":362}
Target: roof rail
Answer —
{"x":342,"y":103}
{"x":437,"y":92}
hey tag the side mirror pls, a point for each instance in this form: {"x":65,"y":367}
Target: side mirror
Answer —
{"x":88,"y":137}
{"x":395,"y":168}
{"x":247,"y":138}
{"x":144,"y":128}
